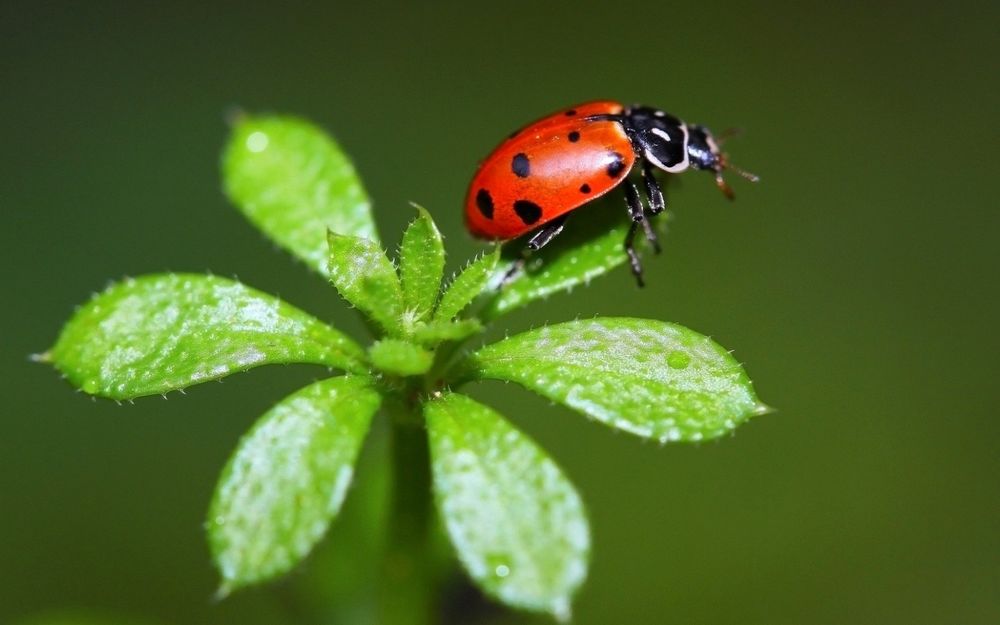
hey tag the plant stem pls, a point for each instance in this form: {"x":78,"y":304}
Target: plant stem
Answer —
{"x":408,"y":594}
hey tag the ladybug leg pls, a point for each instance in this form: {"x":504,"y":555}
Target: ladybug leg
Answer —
{"x":654,"y":197}
{"x":653,"y":191}
{"x":633,"y":256}
{"x":541,"y":238}
{"x":515,"y":269}
{"x":647,"y":226}
{"x":548,"y":232}
{"x":636,"y":213}
{"x":635,"y":210}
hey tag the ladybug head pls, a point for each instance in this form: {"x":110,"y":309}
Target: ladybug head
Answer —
{"x":704,"y":153}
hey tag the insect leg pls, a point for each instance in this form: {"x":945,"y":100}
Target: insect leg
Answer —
{"x":657,"y":204}
{"x":540,"y":239}
{"x":635,"y":212}
{"x":515,"y":269}
{"x":647,"y":226}
{"x":633,"y":256}
{"x":548,"y":232}
{"x":654,"y":197}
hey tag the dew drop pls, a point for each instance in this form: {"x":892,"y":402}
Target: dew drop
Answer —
{"x":497,"y":562}
{"x":678,"y":360}
{"x":257,"y":141}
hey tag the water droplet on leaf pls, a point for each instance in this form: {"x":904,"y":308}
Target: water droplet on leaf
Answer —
{"x":678,"y":360}
{"x":257,"y":141}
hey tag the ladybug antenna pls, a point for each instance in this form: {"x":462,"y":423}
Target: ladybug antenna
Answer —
{"x":721,"y":182}
{"x":744,"y":173}
{"x":727,"y":134}
{"x":725,"y":164}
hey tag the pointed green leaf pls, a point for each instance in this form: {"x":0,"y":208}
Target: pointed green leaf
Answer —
{"x":437,"y":331}
{"x":286,"y":482}
{"x":421,"y":264}
{"x":467,"y":285}
{"x":164,"y":332}
{"x":654,"y":379}
{"x":293,"y":182}
{"x":400,"y":357}
{"x":517,"y":523}
{"x":365,"y":277}
{"x":592,"y":245}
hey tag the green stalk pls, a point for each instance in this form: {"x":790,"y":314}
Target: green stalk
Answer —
{"x":408,"y":593}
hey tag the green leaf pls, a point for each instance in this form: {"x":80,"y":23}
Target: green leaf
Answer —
{"x":467,"y":285}
{"x":286,"y":482}
{"x":421,"y":264}
{"x":592,"y":245}
{"x":438,"y":331}
{"x":340,"y":581}
{"x":293,"y":182}
{"x":517,"y":523}
{"x":400,"y":357}
{"x":164,"y":332}
{"x":653,"y":379}
{"x":365,"y":277}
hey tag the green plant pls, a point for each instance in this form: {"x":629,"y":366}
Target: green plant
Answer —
{"x":516,"y":522}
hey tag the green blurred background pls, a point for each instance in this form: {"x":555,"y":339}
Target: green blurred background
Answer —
{"x":857,"y":282}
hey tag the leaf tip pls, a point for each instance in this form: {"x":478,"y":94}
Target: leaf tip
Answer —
{"x":43,"y":357}
{"x":762,"y":409}
{"x":421,"y":211}
{"x":561,"y":610}
{"x":223,"y":591}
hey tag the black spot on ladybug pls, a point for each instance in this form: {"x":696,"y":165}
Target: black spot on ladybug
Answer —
{"x":484,"y":202}
{"x":585,"y":188}
{"x":520,"y":165}
{"x":574,"y":137}
{"x":571,"y":113}
{"x":617,"y":165}
{"x":528,"y":211}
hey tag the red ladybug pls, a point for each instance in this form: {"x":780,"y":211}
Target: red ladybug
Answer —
{"x":533,"y":180}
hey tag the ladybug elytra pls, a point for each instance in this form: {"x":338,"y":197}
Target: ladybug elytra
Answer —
{"x":537,"y":176}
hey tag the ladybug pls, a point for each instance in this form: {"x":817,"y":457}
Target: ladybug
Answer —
{"x":540,"y":174}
